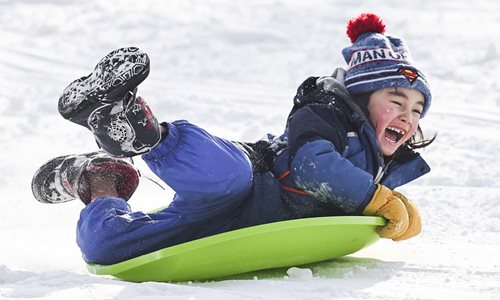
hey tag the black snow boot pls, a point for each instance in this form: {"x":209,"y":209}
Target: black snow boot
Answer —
{"x":105,"y":102}
{"x":66,"y":178}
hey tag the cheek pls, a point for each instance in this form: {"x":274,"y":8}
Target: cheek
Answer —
{"x":389,"y":113}
{"x":384,"y":116}
{"x":412,"y":132}
{"x":414,"y":128}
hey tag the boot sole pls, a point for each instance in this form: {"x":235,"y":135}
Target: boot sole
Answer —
{"x":42,"y":184}
{"x":116,"y":74}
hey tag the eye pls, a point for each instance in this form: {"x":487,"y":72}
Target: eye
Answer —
{"x":397,"y":103}
{"x":416,"y":111}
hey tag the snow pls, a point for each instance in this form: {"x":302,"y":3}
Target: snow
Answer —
{"x":232,"y":67}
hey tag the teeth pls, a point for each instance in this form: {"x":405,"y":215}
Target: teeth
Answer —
{"x":402,"y":132}
{"x":387,"y":139}
{"x":399,"y":132}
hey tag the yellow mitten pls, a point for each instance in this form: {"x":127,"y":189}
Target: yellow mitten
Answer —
{"x":385,"y":204}
{"x":415,"y":223}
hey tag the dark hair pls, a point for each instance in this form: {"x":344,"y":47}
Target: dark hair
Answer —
{"x":417,"y":141}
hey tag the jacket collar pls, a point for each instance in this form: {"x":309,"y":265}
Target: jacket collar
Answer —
{"x":335,"y":84}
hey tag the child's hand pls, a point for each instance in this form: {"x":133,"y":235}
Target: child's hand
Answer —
{"x":415,"y":226}
{"x":403,"y":218}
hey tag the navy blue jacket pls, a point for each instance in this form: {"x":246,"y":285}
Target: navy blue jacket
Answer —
{"x":329,"y":150}
{"x":326,"y":163}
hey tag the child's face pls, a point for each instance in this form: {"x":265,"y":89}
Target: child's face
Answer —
{"x":394,"y":113}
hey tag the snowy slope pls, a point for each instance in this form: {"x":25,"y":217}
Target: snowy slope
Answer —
{"x":232,"y":67}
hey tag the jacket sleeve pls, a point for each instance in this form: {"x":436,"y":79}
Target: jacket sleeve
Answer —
{"x":317,"y":137}
{"x":319,"y":169}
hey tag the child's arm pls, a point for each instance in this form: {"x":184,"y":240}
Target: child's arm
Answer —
{"x":319,"y":169}
{"x":317,"y":137}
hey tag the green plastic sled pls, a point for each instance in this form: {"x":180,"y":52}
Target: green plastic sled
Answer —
{"x":280,"y":244}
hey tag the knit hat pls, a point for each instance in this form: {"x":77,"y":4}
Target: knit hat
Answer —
{"x":376,"y":61}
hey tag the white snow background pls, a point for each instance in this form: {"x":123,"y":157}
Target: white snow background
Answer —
{"x":232,"y":67}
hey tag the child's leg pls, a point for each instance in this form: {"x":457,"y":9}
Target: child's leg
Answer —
{"x":206,"y":172}
{"x":212,"y":178}
{"x":108,"y":231}
{"x":105,"y":102}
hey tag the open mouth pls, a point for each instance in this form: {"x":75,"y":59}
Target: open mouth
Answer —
{"x":394,"y":135}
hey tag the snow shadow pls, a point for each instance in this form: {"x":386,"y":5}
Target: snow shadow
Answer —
{"x":365,"y":272}
{"x":338,"y":268}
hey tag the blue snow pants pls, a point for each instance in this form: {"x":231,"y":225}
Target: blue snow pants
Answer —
{"x":211,"y":178}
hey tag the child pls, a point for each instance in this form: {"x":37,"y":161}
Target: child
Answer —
{"x":348,"y":143}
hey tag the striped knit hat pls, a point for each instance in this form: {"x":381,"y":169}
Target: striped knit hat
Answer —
{"x":376,"y":61}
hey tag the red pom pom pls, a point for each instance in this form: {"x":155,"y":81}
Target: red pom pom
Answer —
{"x":364,"y":23}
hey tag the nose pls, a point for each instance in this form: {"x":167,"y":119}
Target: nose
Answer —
{"x":405,"y":115}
